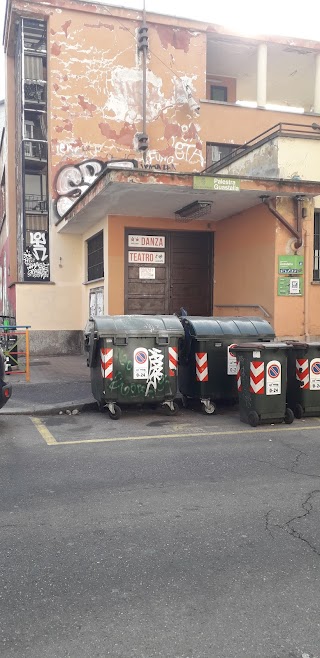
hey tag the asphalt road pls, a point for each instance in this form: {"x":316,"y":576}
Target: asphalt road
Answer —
{"x":200,"y":542}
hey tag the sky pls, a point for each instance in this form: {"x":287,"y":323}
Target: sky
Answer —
{"x":246,"y":16}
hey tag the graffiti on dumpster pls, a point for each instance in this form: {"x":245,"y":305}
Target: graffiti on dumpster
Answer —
{"x":155,"y":369}
{"x":154,"y":381}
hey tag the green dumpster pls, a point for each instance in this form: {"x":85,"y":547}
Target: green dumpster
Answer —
{"x":133,"y":359}
{"x":303,"y":387}
{"x":262,"y":380}
{"x":207,"y":364}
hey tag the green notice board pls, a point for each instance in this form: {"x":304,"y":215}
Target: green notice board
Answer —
{"x":290,"y":264}
{"x":290,"y":286}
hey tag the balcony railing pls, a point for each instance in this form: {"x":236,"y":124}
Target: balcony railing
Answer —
{"x":306,"y":131}
{"x":34,"y":91}
{"x":36,"y":203}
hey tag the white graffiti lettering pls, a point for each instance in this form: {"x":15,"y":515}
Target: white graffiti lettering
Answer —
{"x":155,"y":373}
{"x":38,"y":242}
{"x":35,"y":269}
{"x":74,"y":180}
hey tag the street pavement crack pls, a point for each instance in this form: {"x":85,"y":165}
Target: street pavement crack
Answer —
{"x":267,"y":521}
{"x":299,"y":454}
{"x":307,"y":506}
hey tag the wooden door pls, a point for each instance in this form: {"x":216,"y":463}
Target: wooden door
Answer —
{"x":168,"y":270}
{"x":190,"y":272}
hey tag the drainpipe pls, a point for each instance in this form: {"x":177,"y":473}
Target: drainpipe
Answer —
{"x":297,"y":233}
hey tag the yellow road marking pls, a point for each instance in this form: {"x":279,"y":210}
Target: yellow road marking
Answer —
{"x":45,"y":433}
{"x":50,"y":440}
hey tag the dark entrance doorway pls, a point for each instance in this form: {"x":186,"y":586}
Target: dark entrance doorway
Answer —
{"x":168,"y":270}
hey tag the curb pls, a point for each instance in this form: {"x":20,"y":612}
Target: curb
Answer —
{"x":84,"y":405}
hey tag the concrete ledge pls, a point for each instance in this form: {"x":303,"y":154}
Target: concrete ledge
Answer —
{"x":45,"y":409}
{"x":56,"y":343}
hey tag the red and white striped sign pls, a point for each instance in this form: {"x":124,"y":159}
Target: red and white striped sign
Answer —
{"x":302,"y":372}
{"x":202,"y":373}
{"x":238,"y":376}
{"x":257,"y":377}
{"x":106,"y":358}
{"x":173,"y":361}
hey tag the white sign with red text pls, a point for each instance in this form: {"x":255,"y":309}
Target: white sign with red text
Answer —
{"x":146,"y":257}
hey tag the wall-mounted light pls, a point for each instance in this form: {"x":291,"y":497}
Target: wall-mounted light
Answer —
{"x":193,"y":211}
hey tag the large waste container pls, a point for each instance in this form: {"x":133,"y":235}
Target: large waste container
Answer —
{"x":207,"y":365}
{"x":303,"y":386}
{"x":261,"y":380}
{"x":133,"y":360}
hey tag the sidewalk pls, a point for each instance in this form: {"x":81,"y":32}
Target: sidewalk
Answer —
{"x":57,"y":383}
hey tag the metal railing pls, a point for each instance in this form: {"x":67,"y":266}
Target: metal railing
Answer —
{"x":36,"y":203}
{"x":278,"y":130}
{"x":15,"y":343}
{"x":257,"y":306}
{"x":36,"y":150}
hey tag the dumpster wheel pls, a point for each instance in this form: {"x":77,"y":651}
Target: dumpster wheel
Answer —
{"x":208,"y":407}
{"x":253,"y":419}
{"x":170,"y":407}
{"x":289,"y":416}
{"x":114,"y":411}
{"x":299,"y":411}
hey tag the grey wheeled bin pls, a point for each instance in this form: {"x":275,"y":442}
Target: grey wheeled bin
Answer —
{"x":207,"y":364}
{"x":303,"y":387}
{"x":261,"y":381}
{"x":133,"y":359}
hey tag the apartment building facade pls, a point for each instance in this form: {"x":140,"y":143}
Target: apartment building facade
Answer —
{"x":153,"y":163}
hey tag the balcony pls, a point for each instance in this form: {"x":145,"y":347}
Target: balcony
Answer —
{"x":35,"y":92}
{"x":35,"y":152}
{"x":279,"y":75}
{"x":36,"y":203}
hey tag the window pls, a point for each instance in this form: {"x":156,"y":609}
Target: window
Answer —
{"x":216,"y":152}
{"x":29,"y":129}
{"x":95,"y":257}
{"x":218,"y":93}
{"x":316,"y":247}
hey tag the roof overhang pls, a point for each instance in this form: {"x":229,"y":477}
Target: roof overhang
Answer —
{"x":154,"y":194}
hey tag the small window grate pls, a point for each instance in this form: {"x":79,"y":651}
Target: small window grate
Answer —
{"x":95,"y":257}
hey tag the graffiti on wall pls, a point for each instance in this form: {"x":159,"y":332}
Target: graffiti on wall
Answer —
{"x":73,"y":181}
{"x":36,"y":257}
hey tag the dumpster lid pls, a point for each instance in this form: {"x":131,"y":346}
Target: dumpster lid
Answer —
{"x":206,"y":327}
{"x":259,"y":347}
{"x":140,"y":326}
{"x":301,"y":345}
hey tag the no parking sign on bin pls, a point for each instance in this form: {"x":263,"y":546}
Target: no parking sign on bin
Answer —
{"x":273,"y":378}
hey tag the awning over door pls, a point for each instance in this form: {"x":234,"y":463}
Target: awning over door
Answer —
{"x":140,"y":193}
